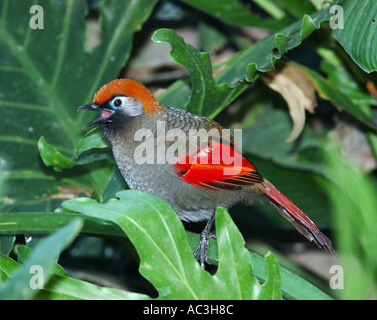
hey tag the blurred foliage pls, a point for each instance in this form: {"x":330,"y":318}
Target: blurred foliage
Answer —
{"x":316,"y":63}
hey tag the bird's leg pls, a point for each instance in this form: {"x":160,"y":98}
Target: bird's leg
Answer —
{"x":203,"y":245}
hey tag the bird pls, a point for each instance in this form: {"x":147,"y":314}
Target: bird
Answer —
{"x":189,"y":161}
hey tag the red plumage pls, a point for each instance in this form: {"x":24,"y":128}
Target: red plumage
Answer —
{"x":219,"y":167}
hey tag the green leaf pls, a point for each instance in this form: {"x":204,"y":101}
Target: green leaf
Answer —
{"x":46,"y":74}
{"x":233,"y":12}
{"x":296,"y":8}
{"x":93,"y":139}
{"x":115,"y":184}
{"x":234,"y":262}
{"x":60,"y":286}
{"x":271,"y":290}
{"x":207,"y":97}
{"x":327,"y":90}
{"x":64,"y":288}
{"x":6,"y":244}
{"x":354,"y":206}
{"x":47,"y":222}
{"x":52,"y":157}
{"x":7,"y":267}
{"x":24,"y":252}
{"x":165,"y":257}
{"x":293,"y":286}
{"x":261,"y":57}
{"x":339,"y":75}
{"x":44,"y":256}
{"x":356,"y":29}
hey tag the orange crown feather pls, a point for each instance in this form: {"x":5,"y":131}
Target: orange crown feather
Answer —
{"x":129,"y":88}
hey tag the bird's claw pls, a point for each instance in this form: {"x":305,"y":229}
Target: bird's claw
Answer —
{"x":203,"y":247}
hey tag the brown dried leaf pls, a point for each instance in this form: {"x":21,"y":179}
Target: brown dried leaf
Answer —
{"x":297,"y":89}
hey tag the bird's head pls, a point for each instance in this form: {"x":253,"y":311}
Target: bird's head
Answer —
{"x":120,"y":101}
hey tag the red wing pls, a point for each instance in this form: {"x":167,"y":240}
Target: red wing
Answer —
{"x":218,"y":167}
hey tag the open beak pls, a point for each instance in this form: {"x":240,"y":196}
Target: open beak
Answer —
{"x":96,"y":107}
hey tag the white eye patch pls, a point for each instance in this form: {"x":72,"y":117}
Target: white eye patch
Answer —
{"x":129,"y":105}
{"x":133,"y":107}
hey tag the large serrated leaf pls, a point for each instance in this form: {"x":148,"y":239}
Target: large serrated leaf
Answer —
{"x":45,"y":75}
{"x":271,"y":290}
{"x":264,"y":53}
{"x":293,"y":286}
{"x":165,"y":257}
{"x":234,"y":261}
{"x":207,"y":97}
{"x":146,"y":222}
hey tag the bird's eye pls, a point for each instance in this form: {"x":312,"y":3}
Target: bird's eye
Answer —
{"x":117,"y":103}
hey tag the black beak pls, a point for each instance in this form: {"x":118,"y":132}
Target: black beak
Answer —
{"x":91,"y":107}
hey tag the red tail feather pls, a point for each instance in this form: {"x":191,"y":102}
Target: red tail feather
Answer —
{"x":294,"y":215}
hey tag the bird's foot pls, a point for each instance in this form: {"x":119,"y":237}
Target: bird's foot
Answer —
{"x":203,"y":245}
